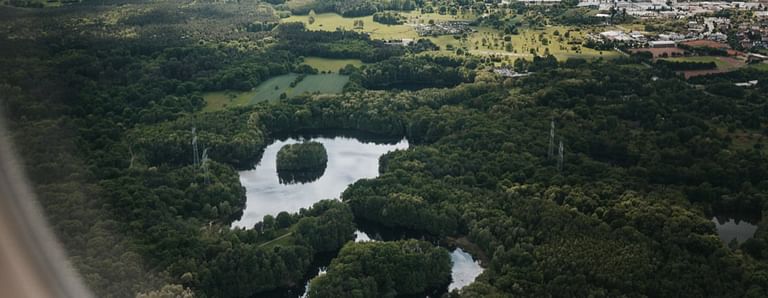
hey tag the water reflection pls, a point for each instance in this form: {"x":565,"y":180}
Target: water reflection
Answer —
{"x":729,"y":228}
{"x":296,"y":177}
{"x":349,"y":159}
{"x":465,"y":269}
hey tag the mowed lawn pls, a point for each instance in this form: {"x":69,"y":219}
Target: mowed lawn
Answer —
{"x":270,"y":90}
{"x":330,"y":65}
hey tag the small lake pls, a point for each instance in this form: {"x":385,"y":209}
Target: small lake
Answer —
{"x":349,"y":159}
{"x":729,"y":228}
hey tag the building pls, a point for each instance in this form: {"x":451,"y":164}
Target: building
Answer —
{"x":747,"y":84}
{"x":671,"y":36}
{"x":539,"y":2}
{"x":661,"y":44}
{"x":756,"y":58}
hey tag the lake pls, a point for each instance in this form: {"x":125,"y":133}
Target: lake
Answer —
{"x":349,"y":159}
{"x":729,"y":228}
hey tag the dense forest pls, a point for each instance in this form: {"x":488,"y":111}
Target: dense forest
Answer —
{"x":104,"y":125}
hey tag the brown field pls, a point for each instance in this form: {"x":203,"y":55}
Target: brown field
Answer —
{"x":706,"y":43}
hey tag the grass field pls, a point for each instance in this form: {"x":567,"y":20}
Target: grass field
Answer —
{"x":719,"y":61}
{"x":330,"y":65}
{"x":222,"y":99}
{"x":484,"y":41}
{"x":761,"y":66}
{"x":331,"y":21}
{"x":724,"y":64}
{"x":272,"y":89}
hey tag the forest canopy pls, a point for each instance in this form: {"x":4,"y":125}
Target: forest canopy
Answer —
{"x":581,"y":177}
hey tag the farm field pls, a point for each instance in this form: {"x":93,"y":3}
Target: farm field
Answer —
{"x":270,"y":90}
{"x":484,"y":41}
{"x":724,"y":64}
{"x":330,"y":65}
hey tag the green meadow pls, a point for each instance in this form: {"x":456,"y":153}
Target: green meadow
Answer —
{"x":330,"y":65}
{"x":272,"y":89}
{"x":483,"y":41}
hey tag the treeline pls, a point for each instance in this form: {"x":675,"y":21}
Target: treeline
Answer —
{"x":355,"y":8}
{"x":337,"y":44}
{"x":384,"y":269}
{"x":417,"y":72}
{"x":235,"y":137}
{"x":685,"y":65}
{"x":388,"y":18}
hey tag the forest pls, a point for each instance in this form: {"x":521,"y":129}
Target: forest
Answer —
{"x":104,"y":125}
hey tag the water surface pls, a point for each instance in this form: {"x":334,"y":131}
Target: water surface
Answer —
{"x":349,"y":160}
{"x":729,"y":228}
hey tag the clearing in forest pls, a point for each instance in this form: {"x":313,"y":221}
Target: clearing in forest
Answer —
{"x":272,"y":89}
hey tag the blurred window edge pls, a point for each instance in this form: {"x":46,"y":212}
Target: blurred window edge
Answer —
{"x":32,"y":262}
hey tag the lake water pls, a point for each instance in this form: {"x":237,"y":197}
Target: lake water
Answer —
{"x":729,"y":228}
{"x":465,"y":269}
{"x":349,"y":160}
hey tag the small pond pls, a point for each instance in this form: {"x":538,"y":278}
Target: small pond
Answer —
{"x":730,"y":228}
{"x":349,"y":159}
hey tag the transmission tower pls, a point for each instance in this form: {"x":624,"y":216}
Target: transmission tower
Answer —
{"x":195,"y":155}
{"x":551,"y":152}
{"x":560,"y":157}
{"x":205,"y":166}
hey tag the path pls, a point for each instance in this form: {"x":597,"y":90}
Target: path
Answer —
{"x":273,"y":240}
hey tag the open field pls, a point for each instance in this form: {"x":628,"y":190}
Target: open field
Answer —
{"x":484,"y":41}
{"x":724,"y":64}
{"x":327,"y":83}
{"x":222,"y":99}
{"x":332,"y":21}
{"x":330,"y":65}
{"x":761,"y":66}
{"x":272,"y":89}
{"x":721,"y":62}
{"x":533,"y":39}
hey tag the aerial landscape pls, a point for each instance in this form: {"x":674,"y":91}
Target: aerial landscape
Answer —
{"x":396,"y":148}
